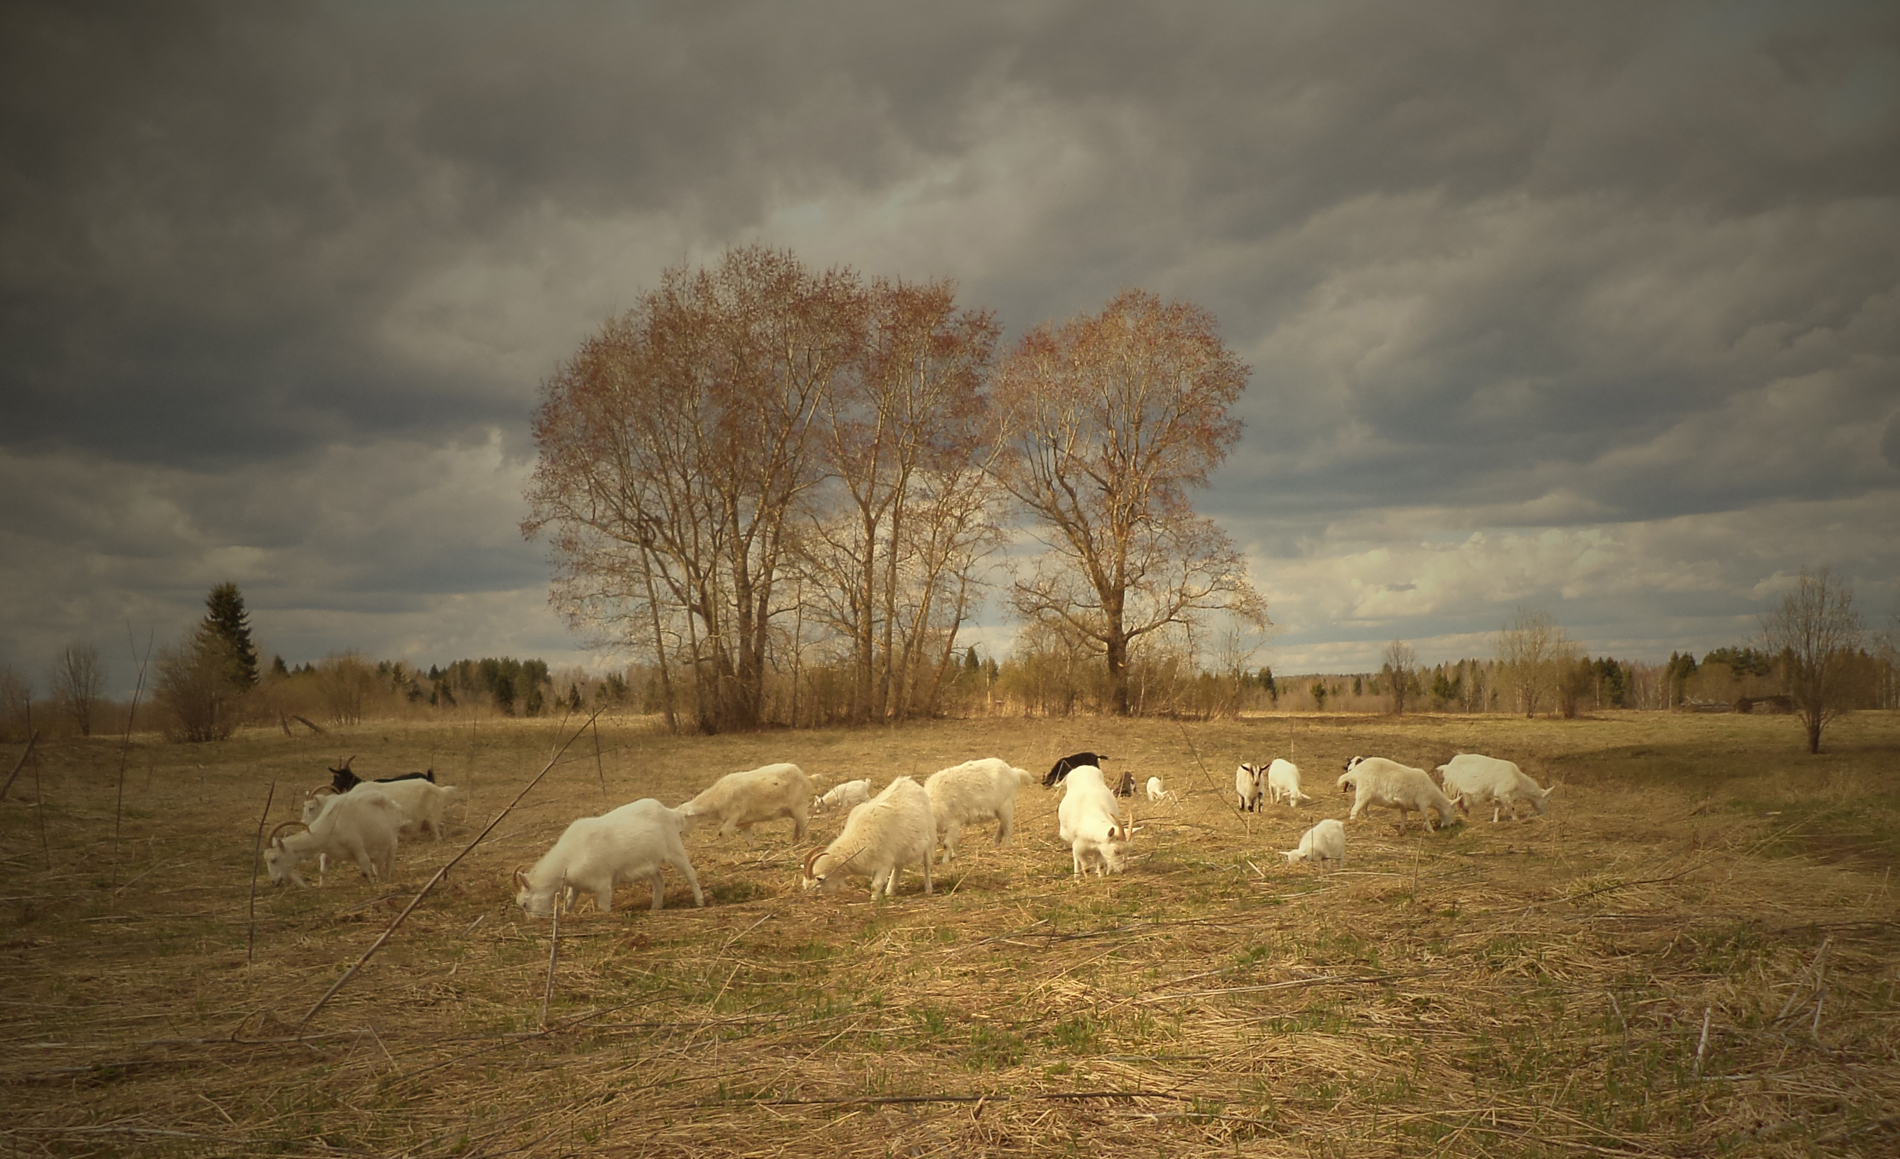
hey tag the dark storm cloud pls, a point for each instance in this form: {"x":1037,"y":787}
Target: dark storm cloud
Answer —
{"x":1495,"y":266}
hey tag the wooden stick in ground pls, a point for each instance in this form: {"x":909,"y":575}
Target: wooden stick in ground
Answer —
{"x":257,"y":848}
{"x":439,"y":874}
{"x":554,"y":949}
{"x":39,"y":795}
{"x":20,"y":764}
{"x":125,"y":749}
{"x":598,"y":767}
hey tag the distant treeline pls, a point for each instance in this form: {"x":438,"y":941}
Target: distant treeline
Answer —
{"x":346,"y":689}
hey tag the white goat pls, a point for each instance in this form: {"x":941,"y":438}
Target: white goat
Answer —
{"x":359,"y":826}
{"x":1325,"y":841}
{"x":1473,"y":779}
{"x":632,"y":842}
{"x":1378,"y":781}
{"x":1247,"y":787}
{"x":424,"y":804}
{"x":972,"y":793}
{"x":1157,"y":794}
{"x":881,"y":836}
{"x":741,"y":800}
{"x":1088,"y":821}
{"x":846,"y":796}
{"x":1283,"y":783}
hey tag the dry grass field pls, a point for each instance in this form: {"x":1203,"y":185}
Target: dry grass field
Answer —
{"x":1694,"y":954}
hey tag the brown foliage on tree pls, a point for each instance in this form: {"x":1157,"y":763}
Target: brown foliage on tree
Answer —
{"x":1108,"y":423}
{"x":902,"y":437}
{"x":691,"y":458}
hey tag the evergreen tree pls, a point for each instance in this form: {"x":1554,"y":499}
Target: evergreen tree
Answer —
{"x":228,"y":621}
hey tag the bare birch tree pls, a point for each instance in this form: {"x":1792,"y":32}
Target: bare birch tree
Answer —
{"x":77,"y":681}
{"x":1109,"y":422}
{"x":675,"y":449}
{"x":899,"y":436}
{"x":1813,"y":634}
{"x":1400,"y":664}
{"x":1532,"y":651}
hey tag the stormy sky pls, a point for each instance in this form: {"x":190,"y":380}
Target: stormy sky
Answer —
{"x":1588,"y":308}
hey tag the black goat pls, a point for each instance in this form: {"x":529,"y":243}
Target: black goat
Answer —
{"x":343,"y":780}
{"x":1061,"y":768}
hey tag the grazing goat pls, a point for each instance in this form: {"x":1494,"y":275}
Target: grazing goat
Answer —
{"x":846,"y":796}
{"x":1247,"y":787}
{"x":1283,"y":783}
{"x":360,"y":826}
{"x":972,"y":793}
{"x":343,"y":780}
{"x":632,"y":842}
{"x":881,"y":836}
{"x":1378,"y":781}
{"x":424,"y":804}
{"x":1087,"y":820}
{"x":741,"y":800}
{"x":1325,"y":841}
{"x":1062,"y":767}
{"x":1158,"y":794}
{"x":1470,"y":778}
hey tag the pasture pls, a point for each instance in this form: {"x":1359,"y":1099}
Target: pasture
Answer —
{"x":1694,"y":953}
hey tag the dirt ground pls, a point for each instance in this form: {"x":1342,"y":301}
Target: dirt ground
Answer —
{"x":1694,"y":953}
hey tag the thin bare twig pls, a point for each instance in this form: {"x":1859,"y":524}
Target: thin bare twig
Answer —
{"x":554,"y":948}
{"x":257,"y":848}
{"x":439,"y":875}
{"x":21,"y":763}
{"x":125,"y":745}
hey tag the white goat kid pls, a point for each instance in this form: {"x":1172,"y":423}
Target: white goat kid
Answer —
{"x":361,"y":827}
{"x":1473,"y":779}
{"x":1283,"y":783}
{"x":1087,"y":820}
{"x":881,"y":836}
{"x":1247,"y":787}
{"x":1325,"y":841}
{"x":849,"y":795}
{"x":635,"y":841}
{"x":741,"y":800}
{"x":1378,"y":781}
{"x":972,"y":793}
{"x":1157,"y":794}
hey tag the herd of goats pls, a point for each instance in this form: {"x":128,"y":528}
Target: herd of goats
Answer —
{"x":362,"y":820}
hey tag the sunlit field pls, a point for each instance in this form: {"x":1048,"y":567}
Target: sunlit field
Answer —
{"x":1694,"y":953}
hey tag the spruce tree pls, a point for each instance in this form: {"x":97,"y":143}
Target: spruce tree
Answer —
{"x":228,"y":621}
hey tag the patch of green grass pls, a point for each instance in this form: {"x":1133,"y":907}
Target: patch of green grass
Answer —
{"x":1077,"y":1035}
{"x":993,"y":1048}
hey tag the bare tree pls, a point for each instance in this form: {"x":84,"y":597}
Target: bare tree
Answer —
{"x":1887,"y":645}
{"x":1108,"y":423}
{"x":899,"y":436}
{"x":200,"y":687}
{"x":77,"y":680}
{"x":1532,"y":653}
{"x":1400,"y":664}
{"x":676,"y":449}
{"x":16,"y":704}
{"x":1814,"y":633}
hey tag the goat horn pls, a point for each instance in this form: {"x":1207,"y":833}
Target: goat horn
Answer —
{"x":274,"y":832}
{"x":322,"y":789}
{"x":346,"y":764}
{"x":814,"y":855}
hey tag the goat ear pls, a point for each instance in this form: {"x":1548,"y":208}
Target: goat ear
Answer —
{"x":521,"y":880}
